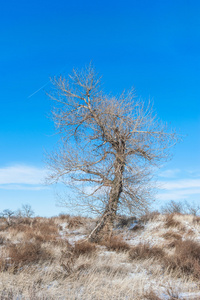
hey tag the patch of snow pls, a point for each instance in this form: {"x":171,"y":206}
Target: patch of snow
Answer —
{"x":73,"y":239}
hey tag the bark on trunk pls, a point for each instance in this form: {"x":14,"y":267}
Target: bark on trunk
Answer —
{"x":104,"y":226}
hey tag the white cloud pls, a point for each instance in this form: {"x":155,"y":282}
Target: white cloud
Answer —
{"x":22,"y":187}
{"x":169,"y":173}
{"x":180,"y":184}
{"x":21,"y":174}
{"x":179,"y":189}
{"x":186,"y":194}
{"x":22,"y":177}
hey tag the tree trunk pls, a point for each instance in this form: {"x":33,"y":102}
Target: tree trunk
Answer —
{"x":104,"y":226}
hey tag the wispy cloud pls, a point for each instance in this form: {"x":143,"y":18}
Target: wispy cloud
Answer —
{"x":169,"y":173}
{"x":21,"y":174}
{"x":178,"y":189}
{"x":22,"y":187}
{"x":180,"y":184}
{"x":22,"y":177}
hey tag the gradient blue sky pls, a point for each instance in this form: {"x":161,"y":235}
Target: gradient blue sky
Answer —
{"x":151,"y":45}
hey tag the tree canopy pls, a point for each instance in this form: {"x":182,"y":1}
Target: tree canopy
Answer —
{"x":109,"y":146}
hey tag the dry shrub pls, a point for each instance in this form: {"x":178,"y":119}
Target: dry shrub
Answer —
{"x":149,"y":216}
{"x":48,"y":228}
{"x":2,"y":240}
{"x":71,"y":253}
{"x":19,"y":228}
{"x":145,"y":251}
{"x":172,"y":235}
{"x":42,"y":231}
{"x":7,"y":294}
{"x":190,"y":232}
{"x":172,"y":244}
{"x":171,"y":222}
{"x":24,"y":220}
{"x":137,"y":227}
{"x":124,"y":221}
{"x":84,"y":248}
{"x":188,"y":247}
{"x":196,"y":220}
{"x":64,"y":217}
{"x":75,"y":222}
{"x":186,"y":258}
{"x":151,"y":295}
{"x":172,"y":293}
{"x":3,"y":227}
{"x":116,"y":243}
{"x":26,"y":253}
{"x":41,"y":238}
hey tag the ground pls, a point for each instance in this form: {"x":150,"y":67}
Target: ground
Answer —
{"x":50,"y":258}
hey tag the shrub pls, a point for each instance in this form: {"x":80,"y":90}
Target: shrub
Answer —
{"x":124,"y":221}
{"x":173,"y":207}
{"x":84,"y":248}
{"x":181,"y":207}
{"x":145,"y":251}
{"x":2,"y":240}
{"x":186,"y":258}
{"x":171,"y":222}
{"x":172,"y":235}
{"x":149,"y":216}
{"x":116,"y":243}
{"x":75,"y":222}
{"x":151,"y":296}
{"x":64,"y":216}
{"x":188,"y":248}
{"x":137,"y":227}
{"x":196,"y":220}
{"x":46,"y":227}
{"x":27,"y":253}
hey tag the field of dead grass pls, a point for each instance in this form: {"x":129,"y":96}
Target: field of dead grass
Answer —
{"x":43,"y":258}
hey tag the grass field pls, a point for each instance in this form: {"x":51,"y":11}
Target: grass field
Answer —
{"x":50,"y":258}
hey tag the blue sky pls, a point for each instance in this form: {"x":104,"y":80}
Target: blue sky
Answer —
{"x":153,"y":46}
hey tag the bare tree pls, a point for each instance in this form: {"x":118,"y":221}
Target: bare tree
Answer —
{"x":181,"y":207}
{"x":172,"y":207}
{"x":26,"y":211}
{"x":7,"y":215}
{"x":109,"y":147}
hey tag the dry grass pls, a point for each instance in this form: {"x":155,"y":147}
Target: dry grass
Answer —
{"x":145,"y":251}
{"x":185,"y":259}
{"x":151,"y":295}
{"x":172,"y":235}
{"x":44,"y":259}
{"x":116,"y":243}
{"x":149,"y":216}
{"x":26,"y":253}
{"x":196,"y":220}
{"x":84,"y":248}
{"x":171,"y":222}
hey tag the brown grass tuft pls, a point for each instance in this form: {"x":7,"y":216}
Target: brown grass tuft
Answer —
{"x":171,"y":222}
{"x":186,"y":258}
{"x":116,"y":243}
{"x":26,"y":253}
{"x":137,"y":227}
{"x":196,"y":220}
{"x":145,"y":251}
{"x":75,"y":222}
{"x":84,"y":248}
{"x":2,"y":240}
{"x":151,"y":296}
{"x":149,"y":216}
{"x":172,"y":235}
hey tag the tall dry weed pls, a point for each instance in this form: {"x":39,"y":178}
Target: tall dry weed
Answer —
{"x":145,"y":251}
{"x":116,"y":243}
